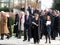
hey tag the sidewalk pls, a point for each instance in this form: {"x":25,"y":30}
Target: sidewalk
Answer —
{"x":15,"y":41}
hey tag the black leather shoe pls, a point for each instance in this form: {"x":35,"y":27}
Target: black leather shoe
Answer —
{"x":34,"y":42}
{"x":7,"y":37}
{"x":45,"y":42}
{"x":1,"y":38}
{"x":38,"y":42}
{"x":18,"y":38}
{"x":24,"y":40}
{"x":29,"y":40}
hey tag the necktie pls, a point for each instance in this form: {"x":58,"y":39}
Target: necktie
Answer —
{"x":26,"y":18}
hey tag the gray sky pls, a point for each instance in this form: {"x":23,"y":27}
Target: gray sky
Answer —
{"x":46,"y":4}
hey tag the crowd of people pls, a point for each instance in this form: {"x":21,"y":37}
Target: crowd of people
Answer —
{"x":34,"y":23}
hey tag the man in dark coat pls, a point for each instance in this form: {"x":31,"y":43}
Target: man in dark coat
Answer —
{"x":42,"y":24}
{"x":56,"y":25}
{"x":31,"y":10}
{"x":22,"y":9}
{"x":27,"y":25}
{"x":9,"y":27}
{"x":36,"y":11}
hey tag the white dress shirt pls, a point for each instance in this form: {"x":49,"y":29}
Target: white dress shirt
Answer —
{"x":48,"y":22}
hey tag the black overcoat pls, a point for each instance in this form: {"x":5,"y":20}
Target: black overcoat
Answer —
{"x":16,"y":23}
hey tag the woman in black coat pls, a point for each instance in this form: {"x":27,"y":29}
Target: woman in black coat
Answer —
{"x":35,"y":32}
{"x":16,"y":24}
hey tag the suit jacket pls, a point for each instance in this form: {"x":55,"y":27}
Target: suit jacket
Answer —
{"x":56,"y":22}
{"x":43,"y":23}
{"x":8,"y":23}
{"x":29,"y":9}
{"x":26,"y":23}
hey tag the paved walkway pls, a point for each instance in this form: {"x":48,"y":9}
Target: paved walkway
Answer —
{"x":15,"y":41}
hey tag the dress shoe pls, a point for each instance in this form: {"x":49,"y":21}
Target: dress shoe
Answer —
{"x":29,"y":40}
{"x":18,"y":38}
{"x":7,"y":37}
{"x":45,"y":42}
{"x":35,"y":42}
{"x":24,"y":40}
{"x":2,"y":38}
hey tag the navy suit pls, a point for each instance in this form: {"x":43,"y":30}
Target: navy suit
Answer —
{"x":43,"y":25}
{"x":27,"y":25}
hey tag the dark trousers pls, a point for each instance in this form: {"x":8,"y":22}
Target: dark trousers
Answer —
{"x":41,"y":35}
{"x":18,"y":34}
{"x":10,"y":31}
{"x":48,"y":32}
{"x":36,"y":39}
{"x":2,"y":36}
{"x":54,"y":34}
{"x":26,"y":33}
{"x":35,"y":36}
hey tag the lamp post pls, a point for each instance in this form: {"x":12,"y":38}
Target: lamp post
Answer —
{"x":25,"y":5}
{"x":39,"y":1}
{"x":13,"y":3}
{"x":9,"y":6}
